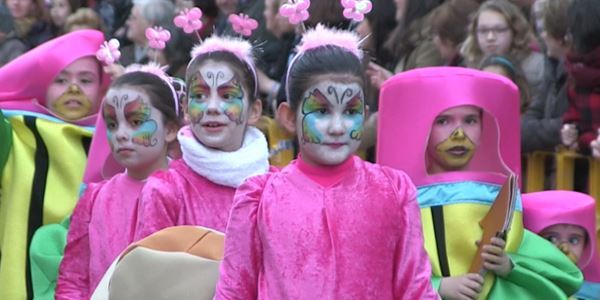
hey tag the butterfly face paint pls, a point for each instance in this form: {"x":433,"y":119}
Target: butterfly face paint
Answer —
{"x":330,"y":122}
{"x":216,"y":106}
{"x":454,"y":137}
{"x":135,"y":129}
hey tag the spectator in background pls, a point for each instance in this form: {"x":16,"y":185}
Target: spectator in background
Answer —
{"x":499,"y":27}
{"x":541,"y":123}
{"x":60,"y":10}
{"x":10,"y":45}
{"x":449,"y":23}
{"x":83,"y":18}
{"x":30,"y":21}
{"x":377,"y":27}
{"x":504,"y":66}
{"x":409,"y":43}
{"x":144,"y":14}
{"x":583,"y":66}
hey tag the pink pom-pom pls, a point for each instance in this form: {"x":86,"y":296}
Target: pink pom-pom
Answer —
{"x":157,"y":37}
{"x":356,"y":9}
{"x":242,"y":24}
{"x":323,"y":36}
{"x":189,"y":20}
{"x":109,"y":52}
{"x":296,"y":12}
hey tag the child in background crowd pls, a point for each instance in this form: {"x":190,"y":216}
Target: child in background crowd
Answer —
{"x":329,"y":225}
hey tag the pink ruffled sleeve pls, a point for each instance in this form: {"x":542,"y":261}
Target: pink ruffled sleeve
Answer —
{"x":159,"y":206}
{"x":243,"y":251}
{"x":412,"y":266}
{"x":74,"y":272}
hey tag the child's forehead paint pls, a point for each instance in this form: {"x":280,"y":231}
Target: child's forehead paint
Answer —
{"x":216,"y":74}
{"x":199,"y":85}
{"x":136,"y":106}
{"x":337,"y":93}
{"x":109,"y":111}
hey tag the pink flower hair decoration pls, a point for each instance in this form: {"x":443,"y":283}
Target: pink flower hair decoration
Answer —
{"x":356,"y":9}
{"x":296,"y":11}
{"x":157,"y":37}
{"x":109,"y":52}
{"x":189,"y":20}
{"x":242,"y":24}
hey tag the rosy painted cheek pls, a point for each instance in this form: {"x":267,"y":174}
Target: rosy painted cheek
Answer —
{"x":144,"y":135}
{"x":196,"y":110}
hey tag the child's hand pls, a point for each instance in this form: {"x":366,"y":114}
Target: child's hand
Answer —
{"x":377,"y":74}
{"x":114,"y":70}
{"x":495,"y":258}
{"x":595,"y":145}
{"x":463,"y":287}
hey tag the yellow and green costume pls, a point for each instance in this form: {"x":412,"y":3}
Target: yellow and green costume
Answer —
{"x":449,"y":214}
{"x":44,"y":160}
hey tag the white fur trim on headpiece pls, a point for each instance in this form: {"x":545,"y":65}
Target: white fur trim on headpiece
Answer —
{"x":156,"y":69}
{"x":241,"y":48}
{"x":323,"y":36}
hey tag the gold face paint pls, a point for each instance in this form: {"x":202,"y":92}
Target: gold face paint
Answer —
{"x":564,"y":247}
{"x":73,"y":104}
{"x":456,"y":151}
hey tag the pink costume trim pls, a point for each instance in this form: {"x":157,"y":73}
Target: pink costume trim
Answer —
{"x":325,"y":175}
{"x":322,"y":36}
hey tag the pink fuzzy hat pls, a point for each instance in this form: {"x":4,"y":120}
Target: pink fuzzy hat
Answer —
{"x":26,"y":79}
{"x":547,"y":208}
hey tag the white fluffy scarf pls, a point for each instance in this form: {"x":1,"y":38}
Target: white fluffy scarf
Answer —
{"x":226,"y":168}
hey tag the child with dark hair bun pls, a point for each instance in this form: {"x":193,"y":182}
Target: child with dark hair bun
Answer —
{"x":329,"y":225}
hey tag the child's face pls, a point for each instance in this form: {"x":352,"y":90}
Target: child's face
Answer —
{"x":494,"y":34}
{"x":20,"y":9}
{"x":454,"y":137}
{"x":329,"y":122}
{"x":75,"y":92}
{"x":135,"y":129}
{"x":570,"y":239}
{"x":59,"y":11}
{"x":218,"y":106}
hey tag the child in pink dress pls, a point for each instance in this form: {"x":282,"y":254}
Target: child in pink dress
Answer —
{"x":220,"y":149}
{"x":140,"y":111}
{"x":329,"y":225}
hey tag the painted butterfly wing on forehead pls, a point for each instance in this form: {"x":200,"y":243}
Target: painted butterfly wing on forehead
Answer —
{"x":137,"y":111}
{"x":315,"y":103}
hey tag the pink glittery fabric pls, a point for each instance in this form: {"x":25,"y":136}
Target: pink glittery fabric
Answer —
{"x":289,"y":237}
{"x":179,"y":196}
{"x":101,"y":227}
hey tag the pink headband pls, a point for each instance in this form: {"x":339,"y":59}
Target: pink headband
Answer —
{"x":322,"y":36}
{"x":155,"y":69}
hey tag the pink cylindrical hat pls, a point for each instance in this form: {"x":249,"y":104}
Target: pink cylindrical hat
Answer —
{"x":547,"y":208}
{"x":409,"y":103}
{"x":26,"y":79}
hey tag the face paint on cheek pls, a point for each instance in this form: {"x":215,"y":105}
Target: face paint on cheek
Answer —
{"x":233,"y":105}
{"x":196,"y":110}
{"x":313,"y":109}
{"x":137,"y":111}
{"x":356,"y":108}
{"x":110,"y":118}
